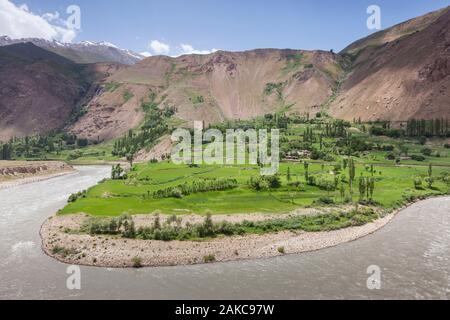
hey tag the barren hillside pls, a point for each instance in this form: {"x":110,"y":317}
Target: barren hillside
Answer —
{"x":215,"y":87}
{"x":408,"y":77}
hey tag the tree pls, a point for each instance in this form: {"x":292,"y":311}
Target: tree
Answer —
{"x":430,"y":179}
{"x":345,"y":163}
{"x":404,"y":149}
{"x":351,"y":174}
{"x":342,"y":191}
{"x":306,"y":166}
{"x":116,"y":172}
{"x":362,"y":188}
{"x":130,"y":158}
{"x":371,"y":188}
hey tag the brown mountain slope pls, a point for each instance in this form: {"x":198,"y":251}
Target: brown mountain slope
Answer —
{"x":397,"y":74}
{"x":215,"y":87}
{"x":403,"y":79}
{"x":396,"y":32}
{"x":39,"y":90}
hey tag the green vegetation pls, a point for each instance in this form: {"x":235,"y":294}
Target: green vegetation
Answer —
{"x":210,"y":258}
{"x":327,"y":162}
{"x":390,"y":186}
{"x":137,"y":262}
{"x":294,"y":61}
{"x":155,"y":125}
{"x":197,"y":99}
{"x":127,"y":96}
{"x":55,"y":146}
{"x":274,"y":87}
{"x":173,"y":229}
{"x":112,"y":86}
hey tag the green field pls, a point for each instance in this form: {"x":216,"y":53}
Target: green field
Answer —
{"x":393,"y":186}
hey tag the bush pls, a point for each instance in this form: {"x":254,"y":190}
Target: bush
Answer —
{"x":377,"y":131}
{"x":281,"y":250}
{"x":391,"y":156}
{"x":394,"y":133}
{"x":324,"y":182}
{"x":423,"y":140}
{"x":388,"y":147}
{"x":75,"y":196}
{"x":196,"y":187}
{"x":265,"y":183}
{"x":324,"y":201}
{"x":273,"y":181}
{"x":137,"y":262}
{"x":209,"y":258}
{"x":418,"y":157}
{"x":418,"y":183}
{"x":426,"y":151}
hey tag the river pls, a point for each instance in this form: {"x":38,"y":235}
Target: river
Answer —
{"x":412,"y":254}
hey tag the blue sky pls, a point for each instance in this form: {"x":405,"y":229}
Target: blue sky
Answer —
{"x":231,"y":25}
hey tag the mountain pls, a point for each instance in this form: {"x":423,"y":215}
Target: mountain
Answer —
{"x":40,"y":90}
{"x":215,"y":87}
{"x":397,"y":74}
{"x":400,"y":73}
{"x":82,"y":52}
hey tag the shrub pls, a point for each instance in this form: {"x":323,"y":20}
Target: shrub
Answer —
{"x":209,"y":258}
{"x":324,"y":201}
{"x":324,"y":182}
{"x":377,"y":131}
{"x":418,"y":183}
{"x":273,"y":181}
{"x":418,"y":157}
{"x":281,"y":250}
{"x":423,"y":140}
{"x":137,"y":262}
{"x":196,"y":187}
{"x":426,"y":151}
{"x":75,"y":196}
{"x":388,"y":147}
{"x":391,"y":156}
{"x":265,"y":182}
{"x":359,"y":220}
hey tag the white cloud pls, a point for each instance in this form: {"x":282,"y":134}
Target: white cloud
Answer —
{"x":188,"y":49}
{"x":145,"y":54}
{"x":19,"y":22}
{"x":159,"y":47}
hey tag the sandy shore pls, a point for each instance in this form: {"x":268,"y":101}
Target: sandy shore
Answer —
{"x":113,"y":252}
{"x":14,"y":173}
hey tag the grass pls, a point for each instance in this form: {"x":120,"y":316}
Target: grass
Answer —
{"x":116,"y":197}
{"x":294,"y":62}
{"x":127,"y":96}
{"x":394,"y":181}
{"x":112,"y":86}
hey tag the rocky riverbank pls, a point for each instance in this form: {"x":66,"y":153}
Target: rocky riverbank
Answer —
{"x":13,"y":173}
{"x":61,"y":242}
